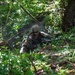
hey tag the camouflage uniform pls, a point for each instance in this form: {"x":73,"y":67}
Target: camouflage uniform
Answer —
{"x":31,"y":42}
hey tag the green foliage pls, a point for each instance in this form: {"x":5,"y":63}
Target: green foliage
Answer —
{"x":54,"y":19}
{"x":63,"y":4}
{"x":13,"y":18}
{"x":11,"y":62}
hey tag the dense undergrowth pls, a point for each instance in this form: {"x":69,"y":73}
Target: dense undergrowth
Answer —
{"x":58,"y":58}
{"x":55,"y":59}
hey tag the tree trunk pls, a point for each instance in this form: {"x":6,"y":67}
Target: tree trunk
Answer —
{"x":69,"y":15}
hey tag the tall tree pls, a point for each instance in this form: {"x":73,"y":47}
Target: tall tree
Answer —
{"x":69,"y":16}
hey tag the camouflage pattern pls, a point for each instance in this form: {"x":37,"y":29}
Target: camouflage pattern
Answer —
{"x":31,"y":42}
{"x":34,"y":38}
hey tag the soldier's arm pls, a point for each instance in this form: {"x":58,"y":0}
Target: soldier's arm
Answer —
{"x":46,"y":38}
{"x":24,"y":42}
{"x":29,"y":38}
{"x":45,"y":35}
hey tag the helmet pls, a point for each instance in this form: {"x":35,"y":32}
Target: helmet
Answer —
{"x":35,"y":28}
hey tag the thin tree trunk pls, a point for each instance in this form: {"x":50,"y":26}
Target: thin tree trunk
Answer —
{"x":69,"y":15}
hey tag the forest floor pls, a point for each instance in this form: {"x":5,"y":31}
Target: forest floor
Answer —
{"x":60,"y":59}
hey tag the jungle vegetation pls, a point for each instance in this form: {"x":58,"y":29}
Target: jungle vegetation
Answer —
{"x":57,"y":17}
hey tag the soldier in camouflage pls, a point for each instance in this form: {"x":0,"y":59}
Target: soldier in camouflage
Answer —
{"x":34,"y":38}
